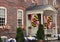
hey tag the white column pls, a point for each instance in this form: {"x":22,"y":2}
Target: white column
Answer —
{"x":42,"y":18}
{"x":27,"y":24}
{"x":22,"y":18}
{"x":56,"y":23}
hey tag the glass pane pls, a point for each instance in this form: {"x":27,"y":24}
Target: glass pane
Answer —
{"x":2,"y":21}
{"x":45,"y":2}
{"x":2,"y":16}
{"x":19,"y":14}
{"x":50,"y":2}
{"x":19,"y":17}
{"x":54,"y":2}
{"x":19,"y":22}
{"x":2,"y":13}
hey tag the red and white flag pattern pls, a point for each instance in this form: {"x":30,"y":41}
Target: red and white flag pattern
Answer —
{"x":33,"y":20}
{"x":49,"y":23}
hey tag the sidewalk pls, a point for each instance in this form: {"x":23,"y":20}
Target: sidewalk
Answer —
{"x":46,"y":41}
{"x":53,"y":41}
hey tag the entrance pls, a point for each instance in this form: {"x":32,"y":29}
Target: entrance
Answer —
{"x":32,"y":28}
{"x":50,"y":27}
{"x":44,"y":13}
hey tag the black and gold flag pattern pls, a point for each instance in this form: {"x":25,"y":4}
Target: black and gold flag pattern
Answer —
{"x":34,"y":21}
{"x":36,"y":17}
{"x":50,"y":18}
{"x":33,"y":24}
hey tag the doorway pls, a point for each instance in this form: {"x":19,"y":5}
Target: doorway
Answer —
{"x":31,"y":29}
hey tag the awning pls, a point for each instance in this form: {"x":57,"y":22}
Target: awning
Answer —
{"x":42,"y":7}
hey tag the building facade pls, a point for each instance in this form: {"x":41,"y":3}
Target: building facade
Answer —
{"x":43,"y":9}
{"x":12,"y":16}
{"x":13,"y":13}
{"x":8,"y":16}
{"x":58,"y":16}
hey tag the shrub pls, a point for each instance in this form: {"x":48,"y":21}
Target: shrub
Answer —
{"x":20,"y":35}
{"x":40,"y":32}
{"x":0,"y":39}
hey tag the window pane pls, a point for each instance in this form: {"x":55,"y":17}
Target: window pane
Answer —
{"x":54,"y":2}
{"x":2,"y":13}
{"x":19,"y":14}
{"x":19,"y":17}
{"x":19,"y":22}
{"x":50,"y":2}
{"x":45,"y":2}
{"x":2,"y":16}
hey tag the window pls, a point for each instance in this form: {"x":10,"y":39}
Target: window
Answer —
{"x":19,"y":17}
{"x":45,"y":2}
{"x":49,"y":2}
{"x":54,"y":2}
{"x":2,"y":16}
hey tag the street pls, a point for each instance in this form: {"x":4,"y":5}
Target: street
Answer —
{"x":53,"y":41}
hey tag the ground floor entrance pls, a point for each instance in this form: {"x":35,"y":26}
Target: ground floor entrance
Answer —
{"x":47,"y":16}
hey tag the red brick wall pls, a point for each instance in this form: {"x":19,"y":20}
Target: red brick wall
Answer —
{"x":11,"y":17}
{"x":12,"y":6}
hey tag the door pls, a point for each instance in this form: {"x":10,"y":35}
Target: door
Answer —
{"x":31,"y":30}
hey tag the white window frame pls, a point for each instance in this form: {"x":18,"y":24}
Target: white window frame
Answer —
{"x":54,"y":2}
{"x":5,"y":15}
{"x":17,"y":16}
{"x":45,"y":2}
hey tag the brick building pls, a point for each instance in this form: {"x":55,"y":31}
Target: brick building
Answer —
{"x":10,"y":10}
{"x":9,"y":16}
{"x":58,"y":16}
{"x":43,"y":8}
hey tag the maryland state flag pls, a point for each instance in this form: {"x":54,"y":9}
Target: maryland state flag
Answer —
{"x":49,"y":21}
{"x":34,"y":20}
{"x":36,"y":17}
